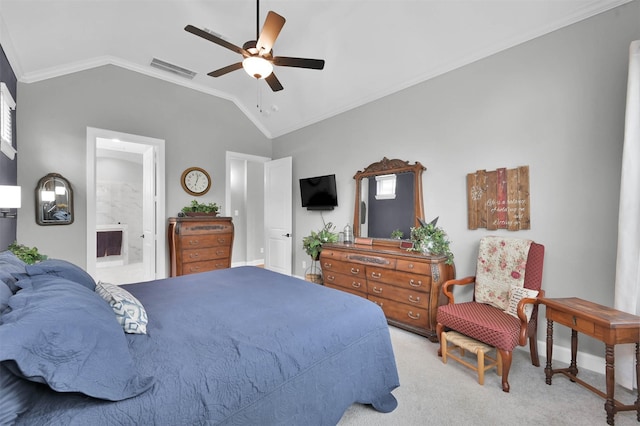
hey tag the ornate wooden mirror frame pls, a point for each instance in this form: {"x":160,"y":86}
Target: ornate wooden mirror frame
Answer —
{"x":385,"y":167}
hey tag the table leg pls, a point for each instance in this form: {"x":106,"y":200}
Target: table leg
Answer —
{"x":573,"y":367}
{"x":638,"y":380}
{"x":609,"y":406}
{"x":548,"y":372}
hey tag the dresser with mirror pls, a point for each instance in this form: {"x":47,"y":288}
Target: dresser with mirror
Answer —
{"x":405,"y":284}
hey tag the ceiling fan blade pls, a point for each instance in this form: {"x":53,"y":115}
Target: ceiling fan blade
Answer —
{"x":216,"y":40}
{"x":225,"y":70}
{"x":314,"y":64}
{"x":274,"y":83}
{"x":270,"y":31}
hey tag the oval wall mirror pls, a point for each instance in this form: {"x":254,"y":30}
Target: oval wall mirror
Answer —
{"x":54,"y":201}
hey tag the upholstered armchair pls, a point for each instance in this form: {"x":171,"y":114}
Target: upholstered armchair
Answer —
{"x":504,"y":310}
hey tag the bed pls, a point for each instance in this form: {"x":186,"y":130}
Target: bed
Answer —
{"x":239,"y":346}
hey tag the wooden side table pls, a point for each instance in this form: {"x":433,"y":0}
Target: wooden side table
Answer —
{"x":600,"y":322}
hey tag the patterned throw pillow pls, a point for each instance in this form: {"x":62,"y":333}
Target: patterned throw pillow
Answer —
{"x":501,"y":264}
{"x":129,"y":311}
{"x":515,"y":295}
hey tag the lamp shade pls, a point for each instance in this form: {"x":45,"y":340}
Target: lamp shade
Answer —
{"x":10,"y":197}
{"x":257,"y":67}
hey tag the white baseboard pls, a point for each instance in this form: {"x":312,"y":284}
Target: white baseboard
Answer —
{"x":250,"y":263}
{"x":561,"y":354}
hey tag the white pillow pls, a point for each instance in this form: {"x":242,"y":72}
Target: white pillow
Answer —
{"x":515,"y":295}
{"x":130,"y":313}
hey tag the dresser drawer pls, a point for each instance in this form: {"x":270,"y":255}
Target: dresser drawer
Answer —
{"x":411,"y":315}
{"x":401,"y":279}
{"x":209,"y":265}
{"x":202,"y":254}
{"x":336,"y":266}
{"x":414,"y":267}
{"x":345,"y":289}
{"x":199,"y":241}
{"x":348,"y":282}
{"x":388,"y":291}
{"x":333,"y":254}
{"x":199,"y":228}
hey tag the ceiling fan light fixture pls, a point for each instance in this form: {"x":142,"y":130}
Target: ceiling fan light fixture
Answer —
{"x":257,"y":67}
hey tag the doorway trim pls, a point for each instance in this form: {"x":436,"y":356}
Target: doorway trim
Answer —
{"x":93,"y":134}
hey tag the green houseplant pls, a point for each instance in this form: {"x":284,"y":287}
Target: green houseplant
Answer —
{"x":313,"y":242}
{"x":433,"y":240}
{"x":199,"y":209}
{"x":29,"y":255}
{"x":397,"y":234}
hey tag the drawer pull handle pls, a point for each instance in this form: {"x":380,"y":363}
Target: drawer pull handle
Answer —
{"x":194,"y":242}
{"x":377,"y":290}
{"x":378,"y":303}
{"x":376,"y":275}
{"x":327,"y":265}
{"x":410,"y":266}
{"x":219,"y":251}
{"x":355,"y":271}
{"x":412,"y":316}
{"x":412,"y":300}
{"x":194,"y":269}
{"x":330,"y":278}
{"x":355,"y":284}
{"x":221,"y":240}
{"x":413,"y":283}
{"x":194,"y":255}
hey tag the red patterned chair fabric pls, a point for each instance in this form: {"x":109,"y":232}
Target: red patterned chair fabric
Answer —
{"x":492,"y":325}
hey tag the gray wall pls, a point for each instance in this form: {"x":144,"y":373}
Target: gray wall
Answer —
{"x":54,"y":115}
{"x":555,"y":104}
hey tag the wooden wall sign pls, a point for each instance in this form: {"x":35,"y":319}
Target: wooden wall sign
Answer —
{"x":499,"y":199}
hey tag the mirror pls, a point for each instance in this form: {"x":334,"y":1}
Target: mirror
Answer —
{"x":54,"y":201}
{"x":388,"y":198}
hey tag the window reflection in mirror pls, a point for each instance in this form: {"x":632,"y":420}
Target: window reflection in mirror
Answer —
{"x":54,"y":201}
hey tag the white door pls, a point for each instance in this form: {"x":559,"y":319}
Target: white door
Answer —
{"x":149,"y":214}
{"x":277,"y":215}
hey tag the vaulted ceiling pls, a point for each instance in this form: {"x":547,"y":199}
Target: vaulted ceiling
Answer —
{"x":372,"y":48}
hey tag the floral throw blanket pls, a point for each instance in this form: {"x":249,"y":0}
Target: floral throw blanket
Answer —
{"x":502,"y":263}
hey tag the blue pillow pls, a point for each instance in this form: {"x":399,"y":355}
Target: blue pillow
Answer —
{"x":10,"y":266}
{"x":5,"y":294}
{"x":64,"y":269}
{"x":16,"y":396}
{"x":66,"y":336}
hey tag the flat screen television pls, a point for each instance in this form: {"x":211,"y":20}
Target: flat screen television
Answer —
{"x":319,"y":193}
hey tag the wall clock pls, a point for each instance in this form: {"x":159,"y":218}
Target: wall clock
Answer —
{"x":195,"y":181}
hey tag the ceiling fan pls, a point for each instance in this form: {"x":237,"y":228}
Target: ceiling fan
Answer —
{"x":258,"y":56}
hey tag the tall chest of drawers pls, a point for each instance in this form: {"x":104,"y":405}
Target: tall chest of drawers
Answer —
{"x":406,"y":285}
{"x":199,"y":244}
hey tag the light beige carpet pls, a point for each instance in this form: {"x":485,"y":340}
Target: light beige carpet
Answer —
{"x":433,"y":393}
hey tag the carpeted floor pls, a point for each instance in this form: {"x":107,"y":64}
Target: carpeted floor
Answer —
{"x":433,"y":393}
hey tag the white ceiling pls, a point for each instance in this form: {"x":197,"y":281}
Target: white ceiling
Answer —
{"x":372,"y":48}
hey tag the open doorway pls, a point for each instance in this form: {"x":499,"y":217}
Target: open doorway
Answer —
{"x":125,"y":181}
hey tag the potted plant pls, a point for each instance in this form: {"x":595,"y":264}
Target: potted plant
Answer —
{"x":397,"y":234}
{"x":29,"y":255}
{"x":313,"y":242}
{"x":432,"y":240}
{"x":201,"y":209}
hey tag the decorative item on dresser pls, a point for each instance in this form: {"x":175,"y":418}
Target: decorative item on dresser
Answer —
{"x":405,"y":285}
{"x":199,"y":244}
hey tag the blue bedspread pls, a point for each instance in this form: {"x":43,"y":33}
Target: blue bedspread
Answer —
{"x":244,"y":346}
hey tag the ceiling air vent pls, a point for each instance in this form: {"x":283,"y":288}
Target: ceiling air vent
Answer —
{"x":166,"y":66}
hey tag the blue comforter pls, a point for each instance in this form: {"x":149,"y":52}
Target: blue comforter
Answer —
{"x":244,"y":346}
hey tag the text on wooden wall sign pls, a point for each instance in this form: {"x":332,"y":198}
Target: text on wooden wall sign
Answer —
{"x":499,"y":199}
